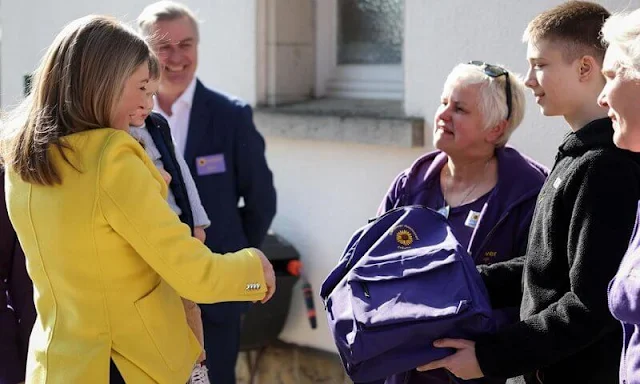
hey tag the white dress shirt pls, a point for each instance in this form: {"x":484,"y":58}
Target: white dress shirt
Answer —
{"x":180,"y":115}
{"x":200,"y":218}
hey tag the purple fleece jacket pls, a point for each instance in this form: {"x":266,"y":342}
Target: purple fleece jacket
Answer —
{"x":624,"y":304}
{"x":501,"y":232}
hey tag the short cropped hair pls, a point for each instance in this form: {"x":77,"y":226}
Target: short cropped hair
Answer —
{"x":574,"y":24}
{"x":492,"y":97}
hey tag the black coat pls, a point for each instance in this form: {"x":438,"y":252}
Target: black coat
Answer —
{"x":17,"y":312}
{"x":580,"y":231}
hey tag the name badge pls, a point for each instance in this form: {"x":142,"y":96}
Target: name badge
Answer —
{"x":472,"y":219}
{"x":211,"y":164}
{"x":557,"y":182}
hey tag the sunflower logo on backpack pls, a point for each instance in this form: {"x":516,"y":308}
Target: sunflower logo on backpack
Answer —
{"x":405,"y":236}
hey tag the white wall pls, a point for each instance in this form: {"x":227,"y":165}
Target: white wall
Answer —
{"x":441,"y":34}
{"x":227,"y":48}
{"x":325,"y":190}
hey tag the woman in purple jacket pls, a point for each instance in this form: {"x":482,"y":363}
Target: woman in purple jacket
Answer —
{"x":621,"y":94}
{"x":17,"y":312}
{"x":487,"y":191}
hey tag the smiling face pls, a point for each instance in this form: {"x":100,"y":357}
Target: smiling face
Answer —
{"x":621,"y":95}
{"x":177,"y":49}
{"x":132,"y":99}
{"x":137,"y":120}
{"x":553,"y":79}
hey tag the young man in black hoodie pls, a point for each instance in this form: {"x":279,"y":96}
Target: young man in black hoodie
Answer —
{"x":581,"y":227}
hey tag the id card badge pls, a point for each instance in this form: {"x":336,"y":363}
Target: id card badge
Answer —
{"x":472,"y":219}
{"x":211,"y":164}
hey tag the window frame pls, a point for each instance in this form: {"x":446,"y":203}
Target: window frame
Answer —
{"x":350,"y":81}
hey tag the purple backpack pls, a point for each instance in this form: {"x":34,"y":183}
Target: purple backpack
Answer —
{"x":403,"y":282}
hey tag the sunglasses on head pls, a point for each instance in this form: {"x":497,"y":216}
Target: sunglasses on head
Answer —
{"x":496,"y":71}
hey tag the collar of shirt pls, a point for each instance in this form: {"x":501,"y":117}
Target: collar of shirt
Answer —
{"x":185,"y":99}
{"x":179,"y":119}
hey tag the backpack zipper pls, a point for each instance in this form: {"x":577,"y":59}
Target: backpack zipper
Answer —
{"x":365,"y":289}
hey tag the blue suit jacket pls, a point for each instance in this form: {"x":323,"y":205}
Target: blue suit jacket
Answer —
{"x":221,"y":125}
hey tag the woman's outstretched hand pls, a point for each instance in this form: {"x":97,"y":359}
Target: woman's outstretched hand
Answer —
{"x":269,"y":275}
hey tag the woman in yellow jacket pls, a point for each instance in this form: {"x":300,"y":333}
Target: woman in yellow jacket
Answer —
{"x":108,"y":258}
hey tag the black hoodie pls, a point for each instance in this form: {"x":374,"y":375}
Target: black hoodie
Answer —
{"x":580,"y":231}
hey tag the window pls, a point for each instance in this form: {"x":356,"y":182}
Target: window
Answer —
{"x":360,"y":46}
{"x":370,"y":32}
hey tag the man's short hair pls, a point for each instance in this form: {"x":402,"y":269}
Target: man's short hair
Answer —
{"x":574,"y":24}
{"x":164,"y":11}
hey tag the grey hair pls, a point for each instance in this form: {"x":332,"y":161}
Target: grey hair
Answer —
{"x":492,"y":101}
{"x":622,"y":32}
{"x":165,"y":11}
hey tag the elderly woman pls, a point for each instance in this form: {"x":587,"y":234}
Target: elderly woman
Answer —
{"x":621,"y":94}
{"x":487,"y":190}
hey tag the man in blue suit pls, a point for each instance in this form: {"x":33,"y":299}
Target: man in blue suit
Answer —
{"x":225,"y":154}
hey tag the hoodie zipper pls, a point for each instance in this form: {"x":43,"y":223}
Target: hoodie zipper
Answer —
{"x":500,"y":221}
{"x":493,"y":229}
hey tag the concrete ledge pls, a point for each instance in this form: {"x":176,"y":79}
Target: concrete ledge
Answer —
{"x":361,"y":121}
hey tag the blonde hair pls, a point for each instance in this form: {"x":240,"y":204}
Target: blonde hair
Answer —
{"x":75,"y":88}
{"x":164,"y":11}
{"x":492,"y":99}
{"x":622,"y":32}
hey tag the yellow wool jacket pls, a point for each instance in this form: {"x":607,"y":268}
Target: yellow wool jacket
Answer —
{"x":109,"y":261}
